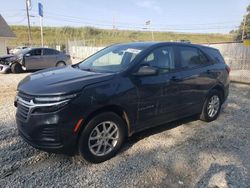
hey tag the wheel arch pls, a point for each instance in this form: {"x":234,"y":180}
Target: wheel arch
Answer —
{"x":219,"y":88}
{"x":61,"y":61}
{"x":111,"y":108}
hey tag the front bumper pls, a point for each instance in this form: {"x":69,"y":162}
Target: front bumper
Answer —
{"x":4,"y":68}
{"x":51,"y":132}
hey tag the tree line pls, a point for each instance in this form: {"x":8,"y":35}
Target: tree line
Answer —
{"x":243,"y":32}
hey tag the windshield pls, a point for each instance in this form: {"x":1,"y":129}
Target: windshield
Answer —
{"x":111,"y":59}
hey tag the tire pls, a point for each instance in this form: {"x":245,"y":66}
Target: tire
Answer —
{"x":88,"y":142}
{"x":16,"y":68}
{"x":207,"y":114}
{"x":60,"y":64}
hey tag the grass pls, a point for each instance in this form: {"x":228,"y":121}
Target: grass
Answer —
{"x":103,"y":37}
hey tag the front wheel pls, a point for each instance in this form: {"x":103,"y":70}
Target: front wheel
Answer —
{"x":16,"y":68}
{"x":102,"y":137}
{"x":212,"y":106}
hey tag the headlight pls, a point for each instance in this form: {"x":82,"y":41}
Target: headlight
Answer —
{"x":52,"y":108}
{"x":54,"y":99}
{"x":51,"y":104}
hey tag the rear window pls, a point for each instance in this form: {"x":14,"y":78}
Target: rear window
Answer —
{"x":49,"y":52}
{"x":192,"y":57}
{"x":215,"y":55}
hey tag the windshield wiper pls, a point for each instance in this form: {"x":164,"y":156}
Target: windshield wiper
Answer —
{"x":84,"y":69}
{"x":76,"y":66}
{"x":87,"y":69}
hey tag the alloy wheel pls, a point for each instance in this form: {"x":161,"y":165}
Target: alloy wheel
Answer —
{"x":103,"y":138}
{"x":213,"y":106}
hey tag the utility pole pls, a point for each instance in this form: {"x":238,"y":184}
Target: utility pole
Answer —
{"x":113,"y":22}
{"x":152,"y":33}
{"x":243,"y":29}
{"x":40,"y":12}
{"x":148,"y":23}
{"x":41,"y":25}
{"x":28,"y":18}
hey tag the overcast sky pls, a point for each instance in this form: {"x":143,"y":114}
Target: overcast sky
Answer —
{"x":198,"y":16}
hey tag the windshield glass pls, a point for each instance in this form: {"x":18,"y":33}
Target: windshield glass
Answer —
{"x":111,"y":59}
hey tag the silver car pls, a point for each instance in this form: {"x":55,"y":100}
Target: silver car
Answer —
{"x":36,"y":59}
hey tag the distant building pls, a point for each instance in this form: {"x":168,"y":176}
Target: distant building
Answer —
{"x":5,"y":35}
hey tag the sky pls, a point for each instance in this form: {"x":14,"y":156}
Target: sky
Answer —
{"x":195,"y":16}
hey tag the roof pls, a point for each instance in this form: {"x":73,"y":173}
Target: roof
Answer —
{"x":140,"y":45}
{"x":145,"y":45}
{"x":5,"y":30}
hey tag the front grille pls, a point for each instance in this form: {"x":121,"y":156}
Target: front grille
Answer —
{"x":24,"y":106}
{"x":22,"y":111}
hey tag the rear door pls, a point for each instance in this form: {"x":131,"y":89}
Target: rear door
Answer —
{"x":197,"y":77}
{"x":33,"y":59}
{"x":49,"y":58}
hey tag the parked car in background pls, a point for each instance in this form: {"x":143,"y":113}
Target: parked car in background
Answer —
{"x":34,"y":59}
{"x":17,"y":49}
{"x":90,"y":107}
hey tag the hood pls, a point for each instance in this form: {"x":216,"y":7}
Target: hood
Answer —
{"x":6,"y":56}
{"x":59,"y":81}
{"x":7,"y":59}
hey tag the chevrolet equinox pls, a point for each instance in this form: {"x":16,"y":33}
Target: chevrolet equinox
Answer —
{"x":92,"y":106}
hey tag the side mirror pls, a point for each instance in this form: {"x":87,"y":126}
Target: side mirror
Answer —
{"x":27,"y":55}
{"x":146,"y":70}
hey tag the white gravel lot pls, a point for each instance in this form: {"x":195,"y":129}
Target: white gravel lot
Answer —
{"x":186,"y":153}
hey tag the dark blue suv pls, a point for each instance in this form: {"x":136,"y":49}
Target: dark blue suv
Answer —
{"x":90,"y":107}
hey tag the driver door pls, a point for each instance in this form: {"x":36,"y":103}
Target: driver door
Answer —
{"x":33,"y":59}
{"x":159,"y":96}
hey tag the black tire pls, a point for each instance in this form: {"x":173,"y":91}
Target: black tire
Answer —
{"x":205,"y":110}
{"x":16,"y":68}
{"x":61,"y":64}
{"x":84,"y":142}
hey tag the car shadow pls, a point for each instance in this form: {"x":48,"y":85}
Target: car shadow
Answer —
{"x":155,"y":130}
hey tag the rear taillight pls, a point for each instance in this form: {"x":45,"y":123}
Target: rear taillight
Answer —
{"x":228,"y":69}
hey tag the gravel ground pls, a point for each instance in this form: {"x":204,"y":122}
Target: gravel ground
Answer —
{"x":186,"y":153}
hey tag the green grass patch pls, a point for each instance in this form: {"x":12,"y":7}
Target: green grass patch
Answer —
{"x":103,"y":37}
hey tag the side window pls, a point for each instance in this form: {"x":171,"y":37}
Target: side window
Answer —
{"x":56,"y":52}
{"x":192,"y":57}
{"x":36,"y":52}
{"x":49,"y":52}
{"x":162,"y":58}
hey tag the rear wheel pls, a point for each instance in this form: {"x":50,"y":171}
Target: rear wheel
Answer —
{"x":102,"y":137}
{"x":212,"y":106}
{"x":60,"y":64}
{"x":16,"y":68}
